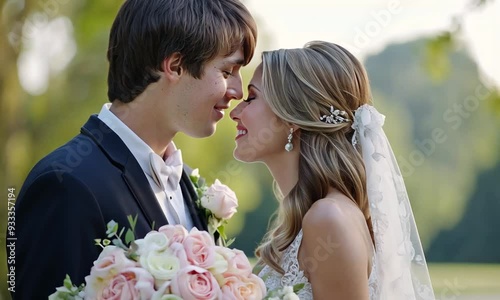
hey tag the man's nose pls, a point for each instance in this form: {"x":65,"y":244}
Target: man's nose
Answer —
{"x":235,"y":88}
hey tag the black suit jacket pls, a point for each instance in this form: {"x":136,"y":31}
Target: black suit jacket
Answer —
{"x":67,"y":200}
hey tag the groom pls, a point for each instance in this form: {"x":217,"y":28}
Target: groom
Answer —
{"x":173,"y":67}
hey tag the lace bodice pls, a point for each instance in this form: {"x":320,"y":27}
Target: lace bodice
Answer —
{"x":293,"y":274}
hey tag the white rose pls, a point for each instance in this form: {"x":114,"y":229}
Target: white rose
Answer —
{"x":220,"y":265}
{"x":153,"y":241}
{"x":163,"y":265}
{"x":287,"y":290}
{"x":237,"y":261}
{"x":220,"y":200}
{"x":291,"y":296}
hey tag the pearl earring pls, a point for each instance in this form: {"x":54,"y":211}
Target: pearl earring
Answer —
{"x":289,"y":145}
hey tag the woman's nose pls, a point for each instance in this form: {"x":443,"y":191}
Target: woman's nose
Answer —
{"x":235,"y":113}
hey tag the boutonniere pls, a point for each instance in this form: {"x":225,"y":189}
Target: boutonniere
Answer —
{"x":218,"y":202}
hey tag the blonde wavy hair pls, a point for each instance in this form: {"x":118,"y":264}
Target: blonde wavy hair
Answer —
{"x":300,"y":85}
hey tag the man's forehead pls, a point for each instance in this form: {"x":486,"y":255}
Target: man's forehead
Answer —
{"x":235,"y":58}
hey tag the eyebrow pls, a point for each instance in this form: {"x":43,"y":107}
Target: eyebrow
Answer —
{"x":253,"y":86}
{"x":233,"y":61}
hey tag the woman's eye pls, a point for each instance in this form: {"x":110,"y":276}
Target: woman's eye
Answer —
{"x":227,"y":73}
{"x":248,"y":99}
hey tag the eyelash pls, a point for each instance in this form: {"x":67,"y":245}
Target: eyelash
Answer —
{"x":227,"y":73}
{"x":248,"y":100}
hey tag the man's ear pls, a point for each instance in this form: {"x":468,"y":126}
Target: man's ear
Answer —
{"x":172,"y":66}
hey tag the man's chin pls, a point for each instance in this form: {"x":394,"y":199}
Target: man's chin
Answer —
{"x":202,"y":133}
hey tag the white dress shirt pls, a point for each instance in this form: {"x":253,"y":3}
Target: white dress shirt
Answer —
{"x":141,"y":151}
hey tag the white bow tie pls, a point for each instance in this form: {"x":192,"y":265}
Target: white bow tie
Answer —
{"x":166,"y":173}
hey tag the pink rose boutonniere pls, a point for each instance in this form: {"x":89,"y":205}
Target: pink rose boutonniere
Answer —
{"x":218,"y":202}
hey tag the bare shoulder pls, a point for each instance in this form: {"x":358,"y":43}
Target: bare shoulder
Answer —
{"x":339,"y":223}
{"x":332,"y":214}
{"x":334,"y":253}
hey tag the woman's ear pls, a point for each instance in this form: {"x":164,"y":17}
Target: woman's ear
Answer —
{"x":172,"y":66}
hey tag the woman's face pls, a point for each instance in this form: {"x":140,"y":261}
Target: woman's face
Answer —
{"x":261,"y":135}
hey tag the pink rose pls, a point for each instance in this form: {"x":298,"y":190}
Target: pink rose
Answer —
{"x":239,"y":288}
{"x":194,"y":283}
{"x":220,"y":200}
{"x":110,"y":262}
{"x":200,"y":248}
{"x":130,"y":284}
{"x":174,"y":233}
{"x":237,"y":262}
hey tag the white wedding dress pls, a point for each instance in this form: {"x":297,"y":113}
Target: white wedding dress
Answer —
{"x":294,"y":275}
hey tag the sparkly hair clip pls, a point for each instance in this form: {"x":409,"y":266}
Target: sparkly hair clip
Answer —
{"x":337,"y":116}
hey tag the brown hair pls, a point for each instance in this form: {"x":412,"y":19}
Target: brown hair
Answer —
{"x":144,"y":33}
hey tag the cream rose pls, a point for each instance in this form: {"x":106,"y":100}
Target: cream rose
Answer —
{"x":153,"y":241}
{"x":194,"y":283}
{"x":247,"y":287}
{"x":163,"y":265}
{"x":233,"y":288}
{"x":220,"y":265}
{"x":291,"y":296}
{"x":237,"y":262}
{"x":220,"y":200}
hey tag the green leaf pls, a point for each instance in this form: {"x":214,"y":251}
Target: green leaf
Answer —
{"x":67,"y":282}
{"x":121,"y":232}
{"x":228,"y":243}
{"x":112,"y":228}
{"x":132,"y":251}
{"x":298,"y":287}
{"x":194,"y":180}
{"x":129,"y":237}
{"x":117,"y":242}
{"x":222,"y":232}
{"x":132,"y":222}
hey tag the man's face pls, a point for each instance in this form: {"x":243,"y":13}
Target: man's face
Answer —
{"x":201,"y":102}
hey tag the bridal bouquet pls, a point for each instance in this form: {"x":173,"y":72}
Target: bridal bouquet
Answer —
{"x":170,"y":263}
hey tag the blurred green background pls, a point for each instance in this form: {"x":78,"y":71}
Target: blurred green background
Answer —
{"x":443,"y":119}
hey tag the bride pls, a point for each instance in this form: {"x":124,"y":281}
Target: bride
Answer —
{"x":344,"y":225}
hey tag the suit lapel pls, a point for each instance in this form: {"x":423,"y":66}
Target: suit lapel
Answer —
{"x":118,"y":153}
{"x":190,"y":197}
{"x":139,"y":185}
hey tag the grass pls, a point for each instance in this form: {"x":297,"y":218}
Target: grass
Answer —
{"x":451,"y":280}
{"x":464,"y":279}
